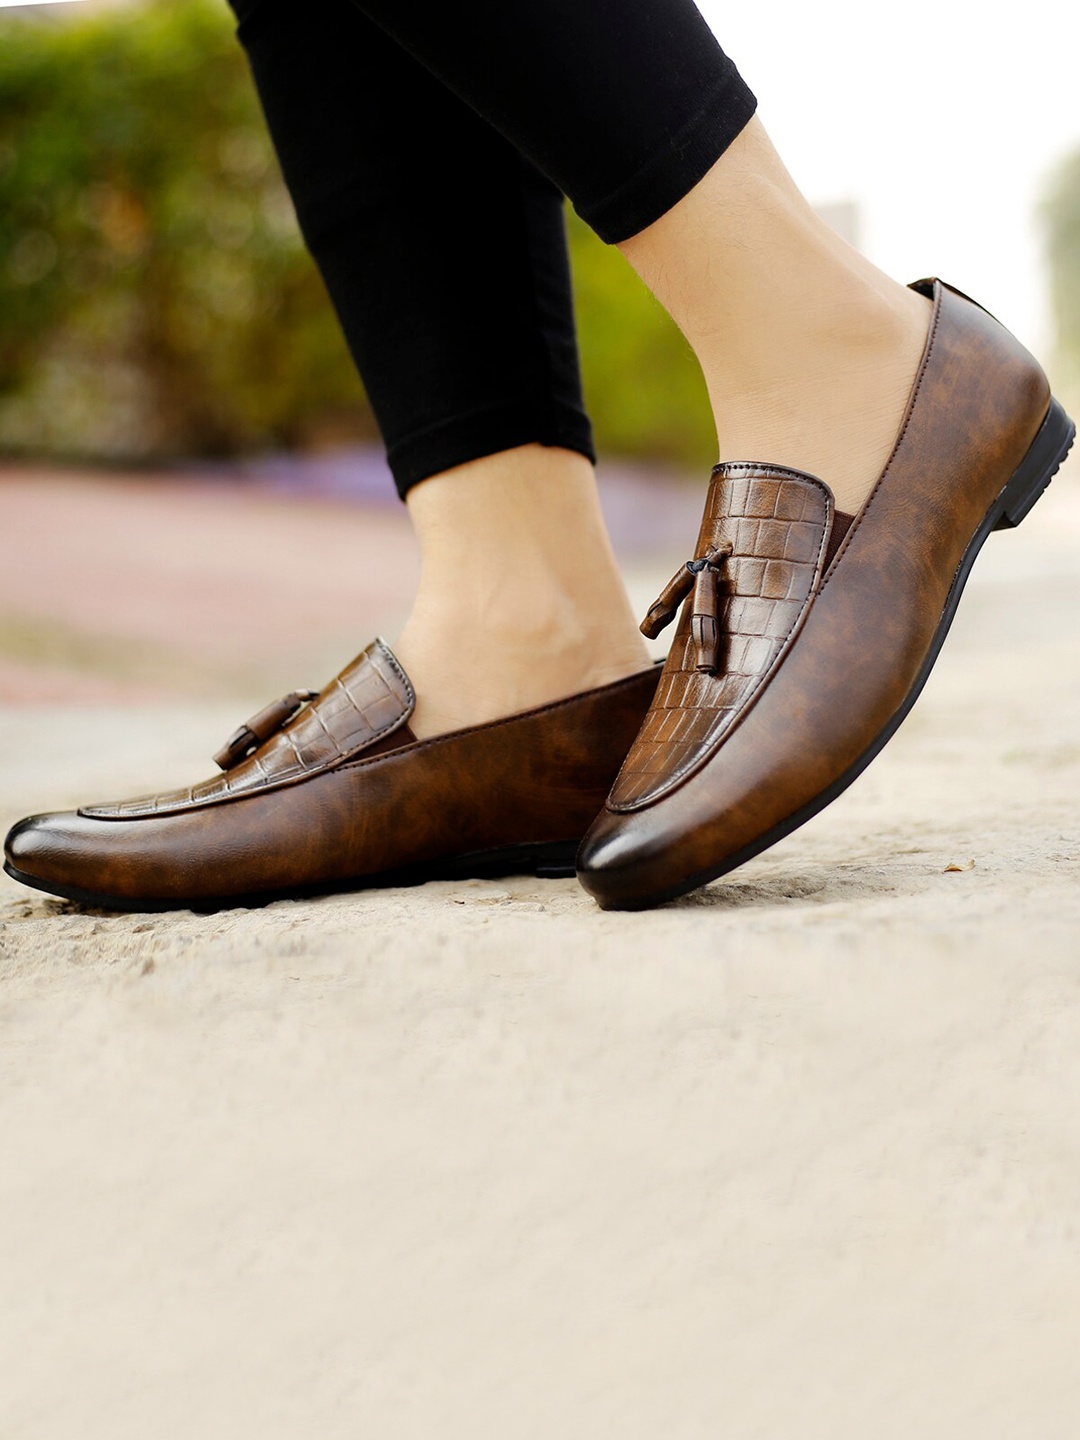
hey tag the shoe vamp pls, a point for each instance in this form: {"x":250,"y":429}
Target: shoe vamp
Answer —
{"x":357,"y":711}
{"x":778,"y":526}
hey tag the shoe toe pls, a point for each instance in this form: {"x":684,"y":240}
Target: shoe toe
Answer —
{"x":39,"y":849}
{"x":616,"y":859}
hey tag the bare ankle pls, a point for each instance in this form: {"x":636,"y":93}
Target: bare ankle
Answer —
{"x":520,"y":599}
{"x":808,"y":350}
{"x":470,"y":665}
{"x":833,"y":403}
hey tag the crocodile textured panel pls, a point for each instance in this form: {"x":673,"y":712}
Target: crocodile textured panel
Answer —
{"x":777,"y":522}
{"x":370,"y":699}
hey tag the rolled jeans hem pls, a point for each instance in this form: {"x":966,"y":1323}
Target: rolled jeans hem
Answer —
{"x":674,"y":171}
{"x":486,"y":432}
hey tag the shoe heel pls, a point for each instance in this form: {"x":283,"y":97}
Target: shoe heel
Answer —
{"x":1037,"y":469}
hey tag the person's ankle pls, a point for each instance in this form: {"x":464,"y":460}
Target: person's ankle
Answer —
{"x":808,"y":350}
{"x":472,"y":663}
{"x":520,"y":601}
{"x":833,"y":402}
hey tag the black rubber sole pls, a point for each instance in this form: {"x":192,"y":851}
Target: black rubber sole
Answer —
{"x":549,"y":861}
{"x":1038,"y":467}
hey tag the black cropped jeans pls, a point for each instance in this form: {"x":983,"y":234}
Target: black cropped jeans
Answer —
{"x":427,"y":148}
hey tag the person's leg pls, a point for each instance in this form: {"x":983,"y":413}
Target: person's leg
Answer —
{"x":808,"y":350}
{"x":804,"y":635}
{"x":520,"y":597}
{"x":443,"y":250}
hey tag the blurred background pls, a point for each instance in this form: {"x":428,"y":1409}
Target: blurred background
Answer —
{"x":193,"y":500}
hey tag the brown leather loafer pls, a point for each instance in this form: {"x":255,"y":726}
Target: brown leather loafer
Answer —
{"x":333,"y":791}
{"x":806,"y":635}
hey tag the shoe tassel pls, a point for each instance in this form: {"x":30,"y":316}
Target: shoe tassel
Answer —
{"x":701,"y":579}
{"x":260,"y":727}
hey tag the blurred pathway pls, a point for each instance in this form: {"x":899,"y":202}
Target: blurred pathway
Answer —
{"x":230,"y":582}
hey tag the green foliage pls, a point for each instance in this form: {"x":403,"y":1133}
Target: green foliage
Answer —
{"x":643,"y":387}
{"x":1062,"y":217}
{"x":156,"y":296}
{"x":157,"y":299}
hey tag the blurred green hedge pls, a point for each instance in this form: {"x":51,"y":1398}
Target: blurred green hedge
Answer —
{"x":156,"y":298}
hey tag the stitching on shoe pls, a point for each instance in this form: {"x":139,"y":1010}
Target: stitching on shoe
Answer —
{"x":385,"y":648}
{"x":924,"y":366}
{"x":764,"y":470}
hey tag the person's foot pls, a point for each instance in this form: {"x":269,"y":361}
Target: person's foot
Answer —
{"x":520,"y":599}
{"x":834,"y":392}
{"x":805,"y":635}
{"x":473,"y":666}
{"x":808,"y":350}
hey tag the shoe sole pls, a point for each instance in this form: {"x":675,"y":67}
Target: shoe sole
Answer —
{"x":549,"y":861}
{"x":1038,"y":467}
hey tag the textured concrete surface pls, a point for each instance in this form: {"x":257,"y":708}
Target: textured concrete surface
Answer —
{"x":796,"y":1156}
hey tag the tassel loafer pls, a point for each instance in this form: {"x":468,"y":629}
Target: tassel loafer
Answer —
{"x":806,"y":635}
